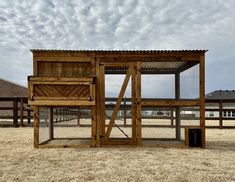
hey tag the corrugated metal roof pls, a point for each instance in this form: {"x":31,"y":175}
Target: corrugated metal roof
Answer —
{"x":148,"y":67}
{"x":119,"y":51}
{"x":154,"y":68}
{"x":221,"y":94}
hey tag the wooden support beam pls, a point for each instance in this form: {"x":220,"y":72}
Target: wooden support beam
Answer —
{"x":133,"y":107}
{"x":29,"y":116}
{"x":170,"y":103}
{"x":139,"y":103}
{"x":220,"y":114}
{"x":102,"y":103}
{"x":202,"y":99}
{"x":59,"y":79}
{"x":172,"y":117}
{"x":36,"y":126}
{"x":15,"y":112}
{"x":61,"y":103}
{"x":21,"y":112}
{"x":177,"y":113}
{"x":94,"y":134}
{"x":51,"y":125}
{"x":93,"y":126}
{"x":120,"y":97}
{"x":124,"y":111}
{"x":97,"y":70}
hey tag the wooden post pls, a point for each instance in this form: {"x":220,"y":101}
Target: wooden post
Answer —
{"x":93,"y":126}
{"x":133,"y":106}
{"x":124,"y":111}
{"x":102,"y":103}
{"x":60,"y":113}
{"x":36,"y":126}
{"x":172,"y":117}
{"x":138,"y":94}
{"x":97,"y":66}
{"x":202,"y":99}
{"x":29,"y":115}
{"x":220,"y":114}
{"x":51,"y":127}
{"x":177,"y":112}
{"x":15,"y":112}
{"x":56,"y":115}
{"x":21,"y":112}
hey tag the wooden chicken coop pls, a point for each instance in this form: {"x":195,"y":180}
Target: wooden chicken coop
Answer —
{"x":76,"y":78}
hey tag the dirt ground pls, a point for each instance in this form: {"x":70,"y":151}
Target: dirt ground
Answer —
{"x":19,"y":161}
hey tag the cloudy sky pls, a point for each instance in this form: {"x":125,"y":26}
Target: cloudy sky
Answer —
{"x":117,"y":24}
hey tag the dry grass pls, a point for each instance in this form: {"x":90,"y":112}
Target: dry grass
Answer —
{"x":19,"y":161}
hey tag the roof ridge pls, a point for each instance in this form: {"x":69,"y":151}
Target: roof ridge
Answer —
{"x":123,"y":51}
{"x":14,"y":83}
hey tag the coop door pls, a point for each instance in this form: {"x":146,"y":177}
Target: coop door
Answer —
{"x":120,"y":105}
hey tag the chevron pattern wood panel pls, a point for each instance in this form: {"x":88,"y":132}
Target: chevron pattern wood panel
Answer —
{"x":62,"y":90}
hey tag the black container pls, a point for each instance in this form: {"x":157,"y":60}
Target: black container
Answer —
{"x":195,"y":137}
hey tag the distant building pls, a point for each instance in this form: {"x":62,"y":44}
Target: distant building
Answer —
{"x":221,"y":95}
{"x":10,"y":89}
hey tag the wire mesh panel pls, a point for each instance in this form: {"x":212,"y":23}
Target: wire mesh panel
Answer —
{"x":123,"y":122}
{"x":44,"y":113}
{"x":158,"y":86}
{"x":189,"y":83}
{"x":64,"y":125}
{"x":190,"y":116}
{"x":72,"y":123}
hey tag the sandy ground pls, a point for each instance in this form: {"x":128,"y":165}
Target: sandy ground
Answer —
{"x":19,"y":161}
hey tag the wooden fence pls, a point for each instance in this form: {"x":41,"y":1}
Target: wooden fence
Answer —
{"x":21,"y":111}
{"x":211,"y":106}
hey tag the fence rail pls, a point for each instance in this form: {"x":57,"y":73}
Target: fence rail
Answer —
{"x":21,"y":111}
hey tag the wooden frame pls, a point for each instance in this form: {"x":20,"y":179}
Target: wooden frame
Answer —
{"x":133,"y":62}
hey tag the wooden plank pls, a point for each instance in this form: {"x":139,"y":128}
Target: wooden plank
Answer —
{"x":35,"y":66}
{"x":133,"y":107}
{"x":93,"y":126}
{"x":115,"y":64}
{"x":202,"y":99}
{"x":62,"y":98}
{"x":62,"y":79}
{"x":102,"y":102}
{"x":139,"y":103}
{"x":6,"y":108}
{"x":62,"y":59}
{"x":124,"y":111}
{"x":21,"y":112}
{"x":97,"y":70}
{"x":120,"y":97}
{"x":77,"y":83}
{"x":36,"y":126}
{"x":172,"y":117}
{"x":15,"y":112}
{"x":177,"y":113}
{"x":61,"y":103}
{"x":170,"y":103}
{"x":28,"y":116}
{"x":220,"y":114}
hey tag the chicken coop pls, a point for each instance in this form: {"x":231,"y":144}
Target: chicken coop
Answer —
{"x":69,"y":83}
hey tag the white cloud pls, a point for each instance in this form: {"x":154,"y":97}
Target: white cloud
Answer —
{"x":114,"y":24}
